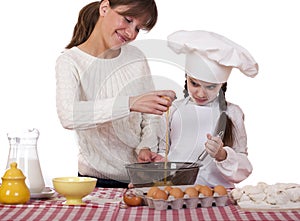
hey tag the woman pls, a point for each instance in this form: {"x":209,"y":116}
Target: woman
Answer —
{"x":195,"y":124}
{"x":104,"y":87}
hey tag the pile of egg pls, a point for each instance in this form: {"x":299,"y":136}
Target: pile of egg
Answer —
{"x":160,"y":198}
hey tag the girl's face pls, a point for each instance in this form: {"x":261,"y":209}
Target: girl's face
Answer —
{"x":117,"y":29}
{"x":202,"y":92}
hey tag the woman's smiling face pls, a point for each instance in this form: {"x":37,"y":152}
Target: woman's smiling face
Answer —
{"x":116,"y":28}
{"x":202,"y":92}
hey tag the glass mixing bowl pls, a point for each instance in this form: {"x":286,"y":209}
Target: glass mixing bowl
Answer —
{"x":162,"y":173}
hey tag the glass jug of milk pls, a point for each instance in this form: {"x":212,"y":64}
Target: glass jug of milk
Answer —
{"x":23,"y":151}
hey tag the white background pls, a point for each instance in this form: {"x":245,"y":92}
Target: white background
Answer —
{"x":33,"y":33}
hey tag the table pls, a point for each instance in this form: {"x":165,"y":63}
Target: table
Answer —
{"x":106,"y":204}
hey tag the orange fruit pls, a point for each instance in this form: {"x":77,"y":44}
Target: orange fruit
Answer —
{"x":221,"y":190}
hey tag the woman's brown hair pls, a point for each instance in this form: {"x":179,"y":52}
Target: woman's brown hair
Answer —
{"x":89,"y":15}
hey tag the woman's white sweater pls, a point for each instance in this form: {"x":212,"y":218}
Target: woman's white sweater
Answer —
{"x":92,"y":98}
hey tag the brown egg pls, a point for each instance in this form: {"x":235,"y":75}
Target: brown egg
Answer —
{"x":221,"y":190}
{"x":160,"y":194}
{"x":152,"y":190}
{"x":132,"y":200}
{"x":191,"y":192}
{"x":168,"y":188}
{"x":177,"y":192}
{"x":206,"y":191}
{"x":198,"y":187}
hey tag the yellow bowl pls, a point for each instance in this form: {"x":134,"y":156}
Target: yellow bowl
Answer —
{"x":74,"y":188}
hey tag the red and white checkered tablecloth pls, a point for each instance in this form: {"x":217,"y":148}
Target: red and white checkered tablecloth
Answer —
{"x":98,"y":207}
{"x":104,"y":204}
{"x":228,"y":213}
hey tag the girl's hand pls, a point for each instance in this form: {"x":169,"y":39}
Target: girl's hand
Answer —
{"x":152,"y":103}
{"x":214,"y":147}
{"x":146,"y":155}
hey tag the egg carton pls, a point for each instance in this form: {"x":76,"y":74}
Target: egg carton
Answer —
{"x":191,"y":203}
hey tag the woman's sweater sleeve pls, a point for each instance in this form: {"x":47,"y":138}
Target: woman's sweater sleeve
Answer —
{"x":76,"y":113}
{"x":150,"y":122}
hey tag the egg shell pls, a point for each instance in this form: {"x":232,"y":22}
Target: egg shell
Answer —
{"x":191,"y":192}
{"x":132,"y":200}
{"x":206,"y":191}
{"x":177,"y":192}
{"x":160,"y":194}
{"x":168,"y":189}
{"x":152,"y":190}
{"x":133,"y":197}
{"x":167,"y":98}
{"x":220,"y":190}
{"x":198,"y":187}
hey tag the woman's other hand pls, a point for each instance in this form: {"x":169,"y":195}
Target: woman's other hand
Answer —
{"x":214,"y":147}
{"x":146,"y":155}
{"x":152,"y":103}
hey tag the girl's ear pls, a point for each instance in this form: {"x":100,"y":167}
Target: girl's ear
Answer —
{"x":104,"y":7}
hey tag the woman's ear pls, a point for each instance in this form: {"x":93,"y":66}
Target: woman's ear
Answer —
{"x":104,"y":7}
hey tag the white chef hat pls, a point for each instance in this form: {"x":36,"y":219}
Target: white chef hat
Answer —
{"x":210,"y":57}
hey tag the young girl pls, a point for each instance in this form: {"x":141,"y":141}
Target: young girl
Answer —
{"x":193,"y":120}
{"x":104,"y":86}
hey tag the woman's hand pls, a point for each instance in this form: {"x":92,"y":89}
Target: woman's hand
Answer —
{"x":214,"y":147}
{"x":153,"y":102}
{"x":146,"y":155}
